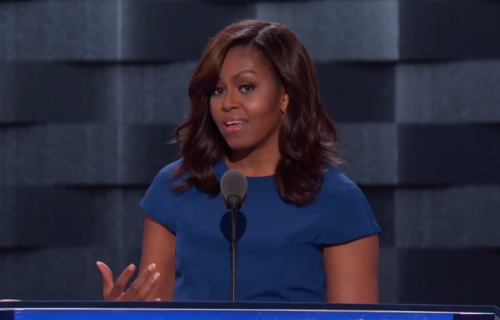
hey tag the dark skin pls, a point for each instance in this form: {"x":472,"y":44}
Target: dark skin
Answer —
{"x":248,"y":89}
{"x":158,"y":251}
{"x":249,"y":92}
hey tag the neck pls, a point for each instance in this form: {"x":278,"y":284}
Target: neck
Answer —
{"x":258,"y":163}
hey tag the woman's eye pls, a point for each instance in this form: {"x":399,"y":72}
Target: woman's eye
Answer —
{"x":218,"y":91}
{"x":246,"y":88}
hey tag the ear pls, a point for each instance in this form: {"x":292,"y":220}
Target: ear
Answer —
{"x":284,"y":103}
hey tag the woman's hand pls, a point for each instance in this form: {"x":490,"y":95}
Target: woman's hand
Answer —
{"x":139,"y":290}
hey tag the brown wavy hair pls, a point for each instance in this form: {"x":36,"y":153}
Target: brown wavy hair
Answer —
{"x":307,"y":138}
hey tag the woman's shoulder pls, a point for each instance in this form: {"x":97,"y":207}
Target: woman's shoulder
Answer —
{"x":161,"y":187}
{"x":159,"y":199}
{"x":341,"y":194}
{"x":166,"y":177}
{"x":346,"y":213}
{"x":168,"y":170}
{"x":337,"y":183}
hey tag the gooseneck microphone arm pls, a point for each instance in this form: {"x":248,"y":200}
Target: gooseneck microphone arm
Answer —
{"x":234,"y":204}
{"x":233,"y":187}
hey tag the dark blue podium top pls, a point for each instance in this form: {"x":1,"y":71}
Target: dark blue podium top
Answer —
{"x":237,"y":311}
{"x":280,"y":245}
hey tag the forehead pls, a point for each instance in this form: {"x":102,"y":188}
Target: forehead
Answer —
{"x":243,"y":58}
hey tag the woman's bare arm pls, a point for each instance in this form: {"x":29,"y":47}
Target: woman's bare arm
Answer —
{"x":158,"y":247}
{"x":352,"y":271}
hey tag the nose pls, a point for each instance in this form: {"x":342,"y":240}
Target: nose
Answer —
{"x":231,"y":101}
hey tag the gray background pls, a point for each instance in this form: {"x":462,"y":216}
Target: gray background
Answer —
{"x":91,"y":90}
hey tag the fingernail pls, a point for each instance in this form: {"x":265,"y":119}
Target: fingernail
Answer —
{"x":131,"y":267}
{"x":157,"y":299}
{"x":156,"y":276}
{"x":152,"y":267}
{"x":99,"y":263}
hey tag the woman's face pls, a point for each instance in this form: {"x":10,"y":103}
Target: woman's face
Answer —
{"x":248,"y":102}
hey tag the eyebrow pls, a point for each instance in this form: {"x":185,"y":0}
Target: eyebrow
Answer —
{"x":243,"y":72}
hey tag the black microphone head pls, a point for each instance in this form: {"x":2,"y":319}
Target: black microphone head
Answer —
{"x":233,"y":188}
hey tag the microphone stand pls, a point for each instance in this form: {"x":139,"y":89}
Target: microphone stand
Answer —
{"x":234,"y":204}
{"x":233,"y":254}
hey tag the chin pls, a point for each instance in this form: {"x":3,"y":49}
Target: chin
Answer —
{"x":239,"y":144}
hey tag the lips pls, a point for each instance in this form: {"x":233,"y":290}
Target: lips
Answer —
{"x":234,"y":124}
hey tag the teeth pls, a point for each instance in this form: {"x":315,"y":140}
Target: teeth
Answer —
{"x":231,"y":123}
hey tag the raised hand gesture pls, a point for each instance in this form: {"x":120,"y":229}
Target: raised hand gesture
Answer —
{"x":139,"y":290}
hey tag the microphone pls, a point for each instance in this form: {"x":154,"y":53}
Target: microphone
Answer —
{"x":233,"y":187}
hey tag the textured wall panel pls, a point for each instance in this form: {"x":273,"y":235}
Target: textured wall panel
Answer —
{"x":112,"y":30}
{"x":60,"y":30}
{"x":155,"y":93}
{"x":445,"y":155}
{"x":433,"y":276}
{"x":340,"y":30}
{"x":40,"y":217}
{"x":459,"y":217}
{"x":143,"y":35}
{"x":358,"y":92}
{"x":61,"y":154}
{"x":35,"y":92}
{"x":56,"y":273}
{"x":388,"y":275}
{"x":464,"y":92}
{"x":457,"y":29}
{"x":97,"y":154}
{"x":145,"y":151}
{"x":371,"y":152}
{"x":54,"y":217}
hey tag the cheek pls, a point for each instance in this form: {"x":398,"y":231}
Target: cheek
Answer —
{"x":215,"y":109}
{"x":265,"y":113}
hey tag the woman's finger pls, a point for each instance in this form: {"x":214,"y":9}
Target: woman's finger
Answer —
{"x":119,"y":286}
{"x":107,"y":278}
{"x":147,"y":288}
{"x":137,"y":285}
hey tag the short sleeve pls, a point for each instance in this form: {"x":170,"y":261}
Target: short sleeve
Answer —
{"x":159,"y":201}
{"x":347,"y":215}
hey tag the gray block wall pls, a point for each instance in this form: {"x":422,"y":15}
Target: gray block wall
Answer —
{"x":90,"y":92}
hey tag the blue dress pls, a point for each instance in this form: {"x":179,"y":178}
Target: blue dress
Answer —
{"x":279,"y":254}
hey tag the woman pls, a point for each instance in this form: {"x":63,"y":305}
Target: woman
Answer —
{"x":310,"y":235}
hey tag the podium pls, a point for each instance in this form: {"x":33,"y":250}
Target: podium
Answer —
{"x":93,"y":310}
